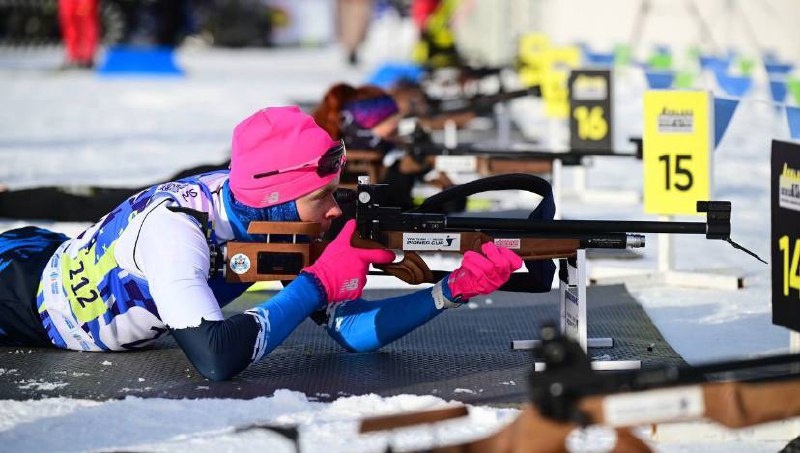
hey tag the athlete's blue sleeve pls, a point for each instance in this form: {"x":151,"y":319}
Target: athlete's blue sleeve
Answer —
{"x":366,"y":325}
{"x":221,"y":349}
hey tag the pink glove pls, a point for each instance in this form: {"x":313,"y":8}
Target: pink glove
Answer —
{"x":483,"y":274}
{"x":342,"y":268}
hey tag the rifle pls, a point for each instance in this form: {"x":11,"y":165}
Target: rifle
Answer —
{"x":495,"y":160}
{"x":287,"y":248}
{"x":480,"y":72}
{"x":478,"y":104}
{"x":535,"y":159}
{"x":568,"y":394}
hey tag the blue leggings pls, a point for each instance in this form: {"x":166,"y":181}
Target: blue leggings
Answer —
{"x":24,"y":253}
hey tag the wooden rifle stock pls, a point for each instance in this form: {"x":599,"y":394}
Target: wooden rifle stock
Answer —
{"x":270,"y":261}
{"x":731,"y":404}
{"x":737,"y":405}
{"x":569,"y":395}
{"x":413,"y":270}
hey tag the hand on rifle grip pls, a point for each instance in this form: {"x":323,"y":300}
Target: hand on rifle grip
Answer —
{"x":342,"y":268}
{"x":483,"y":273}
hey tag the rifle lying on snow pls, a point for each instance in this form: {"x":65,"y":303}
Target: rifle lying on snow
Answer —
{"x":568,"y":394}
{"x":379,"y":225}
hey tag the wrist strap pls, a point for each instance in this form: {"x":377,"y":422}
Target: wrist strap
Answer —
{"x":442,"y":297}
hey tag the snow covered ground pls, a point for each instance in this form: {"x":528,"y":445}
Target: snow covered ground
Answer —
{"x":77,"y":128}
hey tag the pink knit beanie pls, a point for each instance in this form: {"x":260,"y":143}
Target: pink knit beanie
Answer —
{"x":271,"y":140}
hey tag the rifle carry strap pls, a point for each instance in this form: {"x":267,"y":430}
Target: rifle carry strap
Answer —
{"x":519,"y":282}
{"x":511,"y":181}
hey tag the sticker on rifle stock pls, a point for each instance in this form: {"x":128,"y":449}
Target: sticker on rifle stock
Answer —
{"x":432,"y":241}
{"x":240,"y":263}
{"x":654,"y":406}
{"x":509,"y":243}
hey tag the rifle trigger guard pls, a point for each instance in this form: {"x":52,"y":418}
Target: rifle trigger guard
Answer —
{"x":411,"y":269}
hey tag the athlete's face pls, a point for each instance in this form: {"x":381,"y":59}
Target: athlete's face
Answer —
{"x":320,"y":206}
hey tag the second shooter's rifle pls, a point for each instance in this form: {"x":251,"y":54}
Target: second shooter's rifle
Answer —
{"x":570,"y":395}
{"x":478,"y":104}
{"x":492,"y":159}
{"x":433,"y":113}
{"x":290,"y":246}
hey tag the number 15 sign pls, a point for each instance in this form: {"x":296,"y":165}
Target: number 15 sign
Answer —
{"x":678,"y":137}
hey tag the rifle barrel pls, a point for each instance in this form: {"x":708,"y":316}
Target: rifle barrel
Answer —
{"x":572,"y":157}
{"x":584,"y":227}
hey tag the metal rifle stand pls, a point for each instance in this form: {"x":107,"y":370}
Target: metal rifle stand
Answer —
{"x":572,"y":313}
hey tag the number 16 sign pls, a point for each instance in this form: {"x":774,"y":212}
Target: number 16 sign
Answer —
{"x":590,"y":119}
{"x":678,"y":137}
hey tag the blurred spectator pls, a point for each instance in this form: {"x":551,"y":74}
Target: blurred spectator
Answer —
{"x":236,"y":23}
{"x":353,"y":17}
{"x":421,"y":10}
{"x":436,"y":46}
{"x":174,"y":21}
{"x":80,"y":28}
{"x":161,"y":22}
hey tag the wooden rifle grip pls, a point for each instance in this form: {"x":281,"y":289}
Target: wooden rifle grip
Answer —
{"x":411,"y":269}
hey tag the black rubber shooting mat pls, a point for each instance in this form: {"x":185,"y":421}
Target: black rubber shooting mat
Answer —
{"x":464,"y":354}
